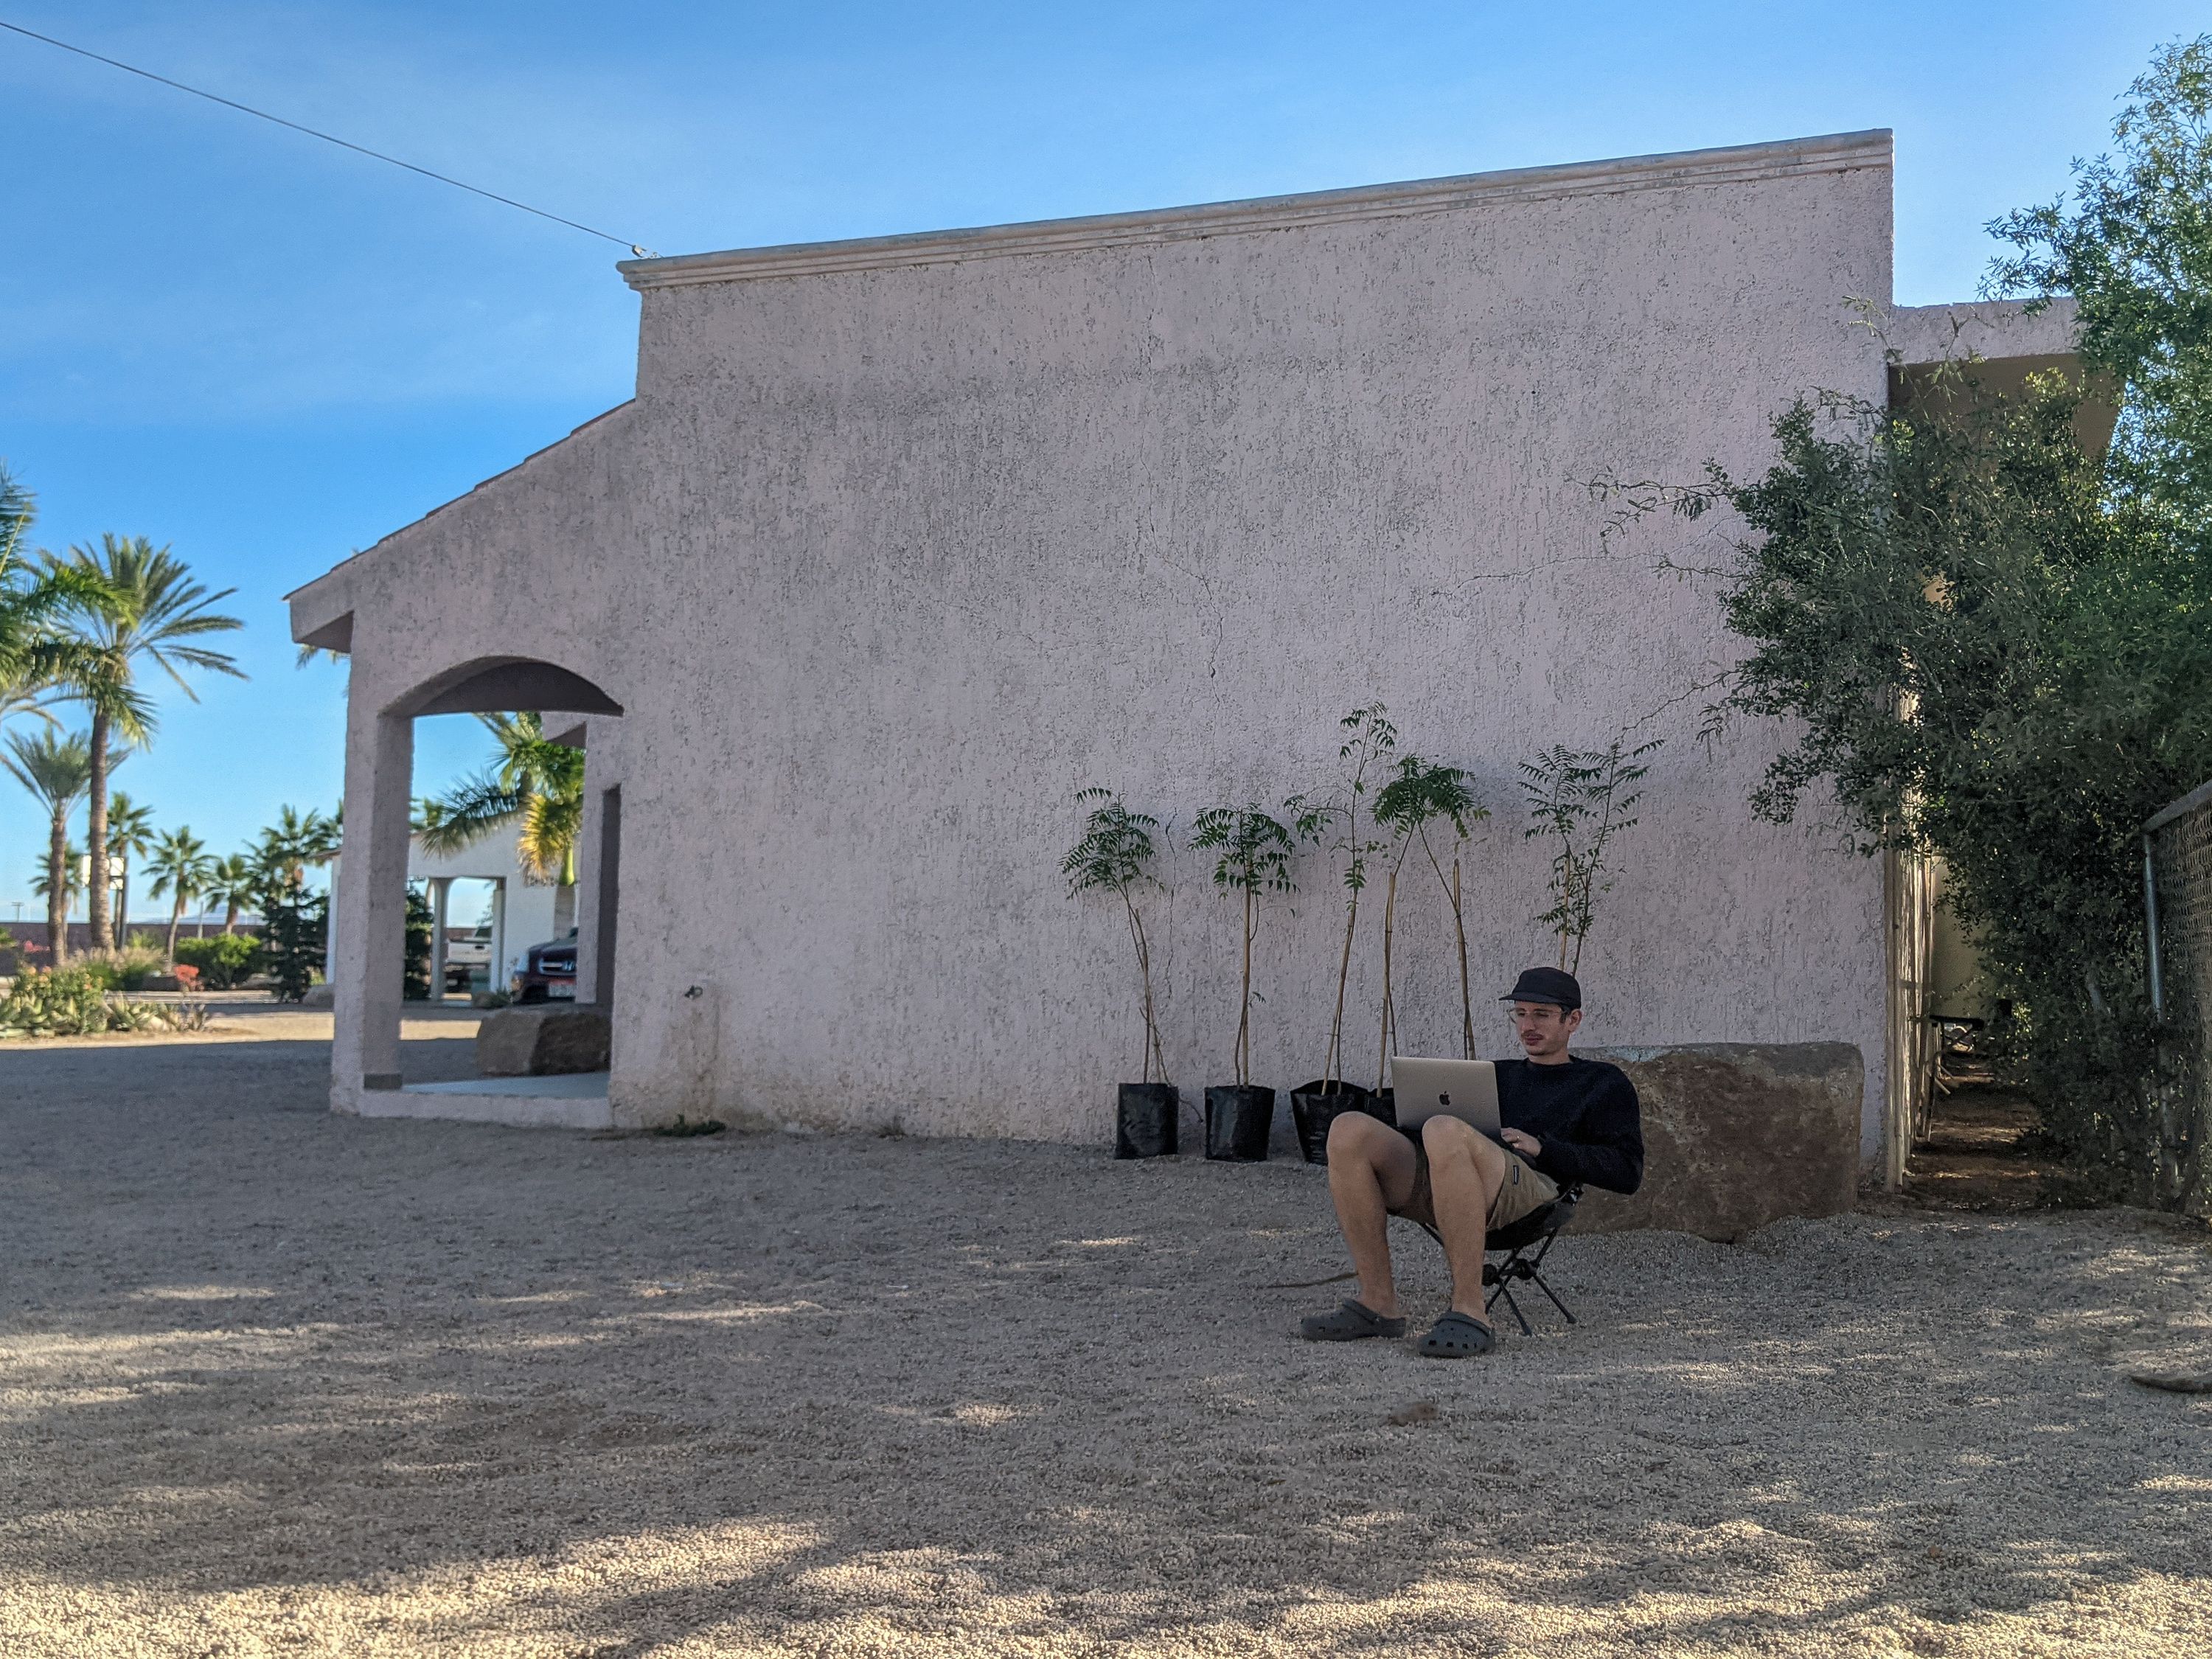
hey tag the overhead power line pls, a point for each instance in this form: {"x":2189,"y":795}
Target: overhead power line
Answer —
{"x":328,"y":138}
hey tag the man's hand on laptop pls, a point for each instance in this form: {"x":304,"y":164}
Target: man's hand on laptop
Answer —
{"x":1520,"y":1141}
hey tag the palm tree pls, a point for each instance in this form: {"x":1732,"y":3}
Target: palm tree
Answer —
{"x":180,"y":866}
{"x":31,"y":653}
{"x":132,"y":601}
{"x":288,"y":846}
{"x":232,"y":884}
{"x":129,"y":835}
{"x":42,"y":884}
{"x":534,"y":779}
{"x":56,"y":770}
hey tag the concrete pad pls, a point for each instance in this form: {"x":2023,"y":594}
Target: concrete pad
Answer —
{"x":577,"y":1101}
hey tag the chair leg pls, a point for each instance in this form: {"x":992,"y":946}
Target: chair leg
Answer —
{"x":1556,"y":1303}
{"x":1506,"y":1292}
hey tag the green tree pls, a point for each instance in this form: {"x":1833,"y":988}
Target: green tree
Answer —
{"x":1423,"y":793}
{"x":1254,"y":849}
{"x":232,"y":883}
{"x":1991,"y":658}
{"x":1370,"y":742}
{"x":1576,"y":797}
{"x":293,"y":844}
{"x":181,"y":868}
{"x":129,"y":835}
{"x":415,"y":965}
{"x":1424,"y":796}
{"x":56,"y":770}
{"x":2134,"y":248}
{"x":294,"y":929}
{"x":1115,"y":856}
{"x":130,"y":603}
{"x":534,"y":781}
{"x":33,"y":652}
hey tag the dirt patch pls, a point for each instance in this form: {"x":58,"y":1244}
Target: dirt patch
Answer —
{"x":275,"y":1380}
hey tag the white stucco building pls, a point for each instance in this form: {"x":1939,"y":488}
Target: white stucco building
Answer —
{"x":519,"y":912}
{"x":902,"y":541}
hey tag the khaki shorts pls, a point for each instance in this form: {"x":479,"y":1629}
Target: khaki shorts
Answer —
{"x":1526,"y":1188}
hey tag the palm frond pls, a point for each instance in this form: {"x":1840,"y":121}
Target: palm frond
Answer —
{"x":469,"y":811}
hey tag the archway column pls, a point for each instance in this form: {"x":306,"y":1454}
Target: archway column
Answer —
{"x":368,"y":960}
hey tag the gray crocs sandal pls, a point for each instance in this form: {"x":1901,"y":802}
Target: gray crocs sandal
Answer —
{"x":1457,"y":1336}
{"x":1349,"y":1323}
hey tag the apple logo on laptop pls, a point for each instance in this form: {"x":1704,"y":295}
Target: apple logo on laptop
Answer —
{"x":1444,"y":1099}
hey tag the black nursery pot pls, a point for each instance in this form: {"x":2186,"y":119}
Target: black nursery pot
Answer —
{"x":1147,"y":1119}
{"x":1316,"y":1105}
{"x":1238,"y":1120}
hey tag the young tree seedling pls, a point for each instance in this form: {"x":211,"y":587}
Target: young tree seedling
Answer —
{"x":1576,"y":798}
{"x":1370,"y":743}
{"x":1254,"y":849}
{"x":1420,"y":796}
{"x":1114,"y":856}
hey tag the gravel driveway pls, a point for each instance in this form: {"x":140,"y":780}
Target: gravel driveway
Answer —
{"x":274,"y":1382}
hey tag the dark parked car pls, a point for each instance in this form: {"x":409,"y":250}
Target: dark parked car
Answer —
{"x":549,"y":972}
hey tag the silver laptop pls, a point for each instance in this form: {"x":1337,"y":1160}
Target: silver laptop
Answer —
{"x":1464,"y":1089}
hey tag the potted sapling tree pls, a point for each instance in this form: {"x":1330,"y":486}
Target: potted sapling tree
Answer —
{"x":1254,"y":852}
{"x":1418,"y":797}
{"x":1370,"y":741}
{"x":1114,"y":857}
{"x":1445,"y":799}
{"x":1581,"y":800}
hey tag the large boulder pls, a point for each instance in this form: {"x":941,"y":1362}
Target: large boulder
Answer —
{"x":543,"y":1039}
{"x":1737,"y":1136}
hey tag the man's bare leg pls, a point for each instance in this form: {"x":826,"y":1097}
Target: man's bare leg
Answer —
{"x":1371,"y":1169}
{"x":1466,"y":1169}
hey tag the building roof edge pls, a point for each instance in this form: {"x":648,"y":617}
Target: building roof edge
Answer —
{"x":1739,"y":163}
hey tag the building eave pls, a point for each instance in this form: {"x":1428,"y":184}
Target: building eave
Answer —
{"x":1736,"y":164}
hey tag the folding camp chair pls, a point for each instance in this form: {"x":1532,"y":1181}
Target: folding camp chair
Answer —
{"x":1526,"y":1244}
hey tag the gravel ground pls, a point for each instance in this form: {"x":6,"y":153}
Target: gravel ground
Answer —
{"x":274,"y":1382}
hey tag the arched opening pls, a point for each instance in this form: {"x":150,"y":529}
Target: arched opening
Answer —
{"x":500,"y":943}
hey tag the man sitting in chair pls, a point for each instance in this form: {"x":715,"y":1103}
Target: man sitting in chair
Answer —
{"x":1567,"y":1123}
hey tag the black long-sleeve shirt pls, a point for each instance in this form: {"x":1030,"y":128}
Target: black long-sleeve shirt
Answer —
{"x":1585,"y":1113}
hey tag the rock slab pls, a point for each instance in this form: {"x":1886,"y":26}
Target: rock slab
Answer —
{"x":544,"y":1039}
{"x":1737,"y":1136}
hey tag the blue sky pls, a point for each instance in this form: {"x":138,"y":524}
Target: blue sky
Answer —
{"x":267,"y":353}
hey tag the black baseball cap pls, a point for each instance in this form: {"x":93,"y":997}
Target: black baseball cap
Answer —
{"x":1545,"y":985}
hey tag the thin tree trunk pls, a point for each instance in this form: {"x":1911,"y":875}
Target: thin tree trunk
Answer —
{"x":58,"y":889}
{"x":1466,"y":992}
{"x":1244,"y":1016}
{"x":1566,"y":910}
{"x":123,"y":908}
{"x":229,"y":915}
{"x":176,"y":920}
{"x":1333,"y":1066}
{"x":96,"y":833}
{"x":1153,"y":1055}
{"x":1389,"y":1011}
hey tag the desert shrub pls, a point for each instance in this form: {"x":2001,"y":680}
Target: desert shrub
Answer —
{"x":63,"y":1002}
{"x":73,"y":1002}
{"x":224,"y":961}
{"x":124,"y":971}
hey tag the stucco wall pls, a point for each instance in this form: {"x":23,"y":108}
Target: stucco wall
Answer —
{"x":884,"y":564}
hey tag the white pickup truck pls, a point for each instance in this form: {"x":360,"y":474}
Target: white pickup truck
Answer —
{"x":468,"y":950}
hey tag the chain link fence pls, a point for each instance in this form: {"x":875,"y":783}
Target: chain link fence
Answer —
{"x":2177,"y":892}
